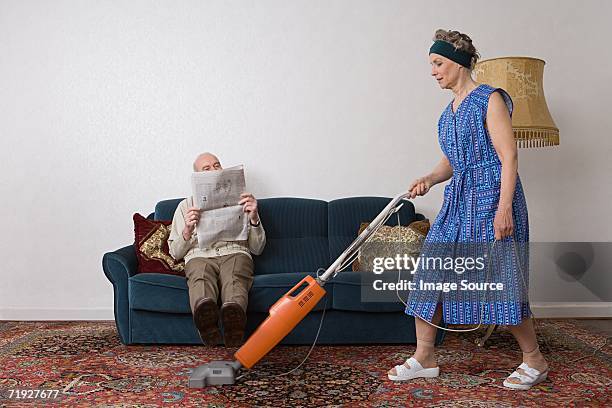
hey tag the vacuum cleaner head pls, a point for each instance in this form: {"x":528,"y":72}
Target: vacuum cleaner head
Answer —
{"x":214,"y":373}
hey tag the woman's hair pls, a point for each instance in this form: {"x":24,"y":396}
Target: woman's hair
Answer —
{"x":460,"y":41}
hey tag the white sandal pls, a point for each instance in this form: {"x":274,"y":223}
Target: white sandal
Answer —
{"x":416,"y":370}
{"x":530,"y":378}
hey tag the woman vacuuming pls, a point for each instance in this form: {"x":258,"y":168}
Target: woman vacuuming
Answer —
{"x":483,"y":203}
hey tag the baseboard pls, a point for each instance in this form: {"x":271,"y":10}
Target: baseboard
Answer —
{"x":540,"y":310}
{"x":558,"y":310}
{"x":27,"y":314}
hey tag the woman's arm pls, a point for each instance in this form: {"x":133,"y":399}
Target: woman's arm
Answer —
{"x":442,"y":172}
{"x":499,"y":125}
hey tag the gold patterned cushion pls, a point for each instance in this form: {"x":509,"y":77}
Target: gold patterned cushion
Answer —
{"x":389,"y":241}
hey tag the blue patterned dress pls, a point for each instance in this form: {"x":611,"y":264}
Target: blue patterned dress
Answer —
{"x":470,"y":203}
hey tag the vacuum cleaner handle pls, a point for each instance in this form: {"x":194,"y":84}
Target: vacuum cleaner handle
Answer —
{"x":361,"y":238}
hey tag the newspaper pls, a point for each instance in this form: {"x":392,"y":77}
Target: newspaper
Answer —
{"x":217,"y":194}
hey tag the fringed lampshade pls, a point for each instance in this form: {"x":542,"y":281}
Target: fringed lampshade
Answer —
{"x":522,"y":77}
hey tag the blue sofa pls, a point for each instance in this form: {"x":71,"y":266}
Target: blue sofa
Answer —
{"x":302,"y":236}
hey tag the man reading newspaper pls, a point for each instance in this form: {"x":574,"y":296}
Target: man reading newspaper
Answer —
{"x":221,"y":268}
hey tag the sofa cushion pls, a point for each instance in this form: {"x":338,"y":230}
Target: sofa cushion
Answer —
{"x":151,"y":245}
{"x":347,"y":290}
{"x":347,"y":214}
{"x":267,"y":289}
{"x":166,"y":293}
{"x":296,"y":235}
{"x":389,"y":241}
{"x":159,"y":293}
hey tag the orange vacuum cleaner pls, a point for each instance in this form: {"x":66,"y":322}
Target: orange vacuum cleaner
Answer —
{"x":286,"y":313}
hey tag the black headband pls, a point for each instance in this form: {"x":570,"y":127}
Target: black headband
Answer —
{"x":448,"y":50}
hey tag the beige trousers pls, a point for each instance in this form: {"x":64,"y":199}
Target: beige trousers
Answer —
{"x":231,"y":275}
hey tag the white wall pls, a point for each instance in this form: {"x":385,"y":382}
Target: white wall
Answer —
{"x":104,"y":104}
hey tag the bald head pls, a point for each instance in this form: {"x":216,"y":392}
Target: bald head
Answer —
{"x":206,"y":162}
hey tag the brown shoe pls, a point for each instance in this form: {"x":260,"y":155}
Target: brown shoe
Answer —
{"x":234,"y":320}
{"x":206,"y":318}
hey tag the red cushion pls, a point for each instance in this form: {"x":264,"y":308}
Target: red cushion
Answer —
{"x":151,"y":244}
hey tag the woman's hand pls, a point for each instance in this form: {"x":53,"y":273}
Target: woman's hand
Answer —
{"x":503,"y":226}
{"x":420,"y":186}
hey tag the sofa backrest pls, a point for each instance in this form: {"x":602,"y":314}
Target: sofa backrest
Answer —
{"x":164,"y":210}
{"x":304,"y":234}
{"x":296,"y":235}
{"x":345,"y":216}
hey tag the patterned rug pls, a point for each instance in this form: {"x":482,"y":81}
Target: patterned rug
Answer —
{"x":89,"y":367}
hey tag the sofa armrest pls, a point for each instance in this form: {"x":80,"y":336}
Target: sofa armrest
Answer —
{"x":118,"y":267}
